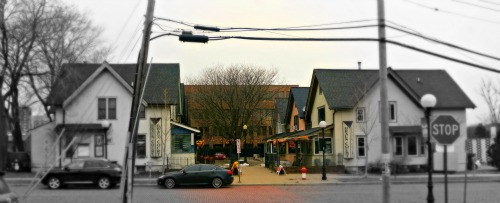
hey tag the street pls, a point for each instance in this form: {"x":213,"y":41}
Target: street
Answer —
{"x":477,"y":192}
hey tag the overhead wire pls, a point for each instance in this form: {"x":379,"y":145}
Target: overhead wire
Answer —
{"x":436,"y":9}
{"x":490,"y":2}
{"x":439,"y":41}
{"x":136,"y":32}
{"x":476,"y":5}
{"x":126,"y":22}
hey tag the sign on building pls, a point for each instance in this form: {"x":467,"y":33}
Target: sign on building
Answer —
{"x":347,"y":139}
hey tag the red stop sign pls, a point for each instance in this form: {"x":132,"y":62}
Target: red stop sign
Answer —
{"x":445,"y":129}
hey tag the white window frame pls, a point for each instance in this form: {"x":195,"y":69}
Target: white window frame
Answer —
{"x":363,"y":112}
{"x":320,"y":151}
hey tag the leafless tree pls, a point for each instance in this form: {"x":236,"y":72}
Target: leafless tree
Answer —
{"x":366,"y":127}
{"x":368,"y":117}
{"x":226,"y":98}
{"x":20,"y":22}
{"x":491,"y":95}
{"x":67,"y":36}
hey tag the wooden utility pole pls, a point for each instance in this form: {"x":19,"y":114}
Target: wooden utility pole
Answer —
{"x":127,"y":180}
{"x":384,"y":106}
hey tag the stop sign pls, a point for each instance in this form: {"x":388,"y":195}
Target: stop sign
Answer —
{"x":445,"y":129}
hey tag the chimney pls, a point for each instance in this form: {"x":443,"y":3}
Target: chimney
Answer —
{"x":359,"y":65}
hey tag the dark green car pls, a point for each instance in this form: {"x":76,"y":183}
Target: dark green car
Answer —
{"x":198,"y":174}
{"x":102,"y":172}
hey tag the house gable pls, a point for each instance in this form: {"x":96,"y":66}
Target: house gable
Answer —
{"x":104,"y":67}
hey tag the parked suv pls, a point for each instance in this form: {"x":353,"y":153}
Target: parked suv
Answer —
{"x":6,"y":196}
{"x":102,"y":172}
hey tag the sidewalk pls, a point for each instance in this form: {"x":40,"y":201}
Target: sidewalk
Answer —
{"x":254,"y":174}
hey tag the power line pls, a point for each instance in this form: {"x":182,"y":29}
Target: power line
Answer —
{"x":452,"y":13}
{"x":477,"y":6}
{"x":126,"y":22}
{"x":441,"y":42}
{"x":292,"y":28}
{"x":359,"y":39}
{"x":490,"y":2}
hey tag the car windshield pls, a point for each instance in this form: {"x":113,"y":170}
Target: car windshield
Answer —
{"x":76,"y":165}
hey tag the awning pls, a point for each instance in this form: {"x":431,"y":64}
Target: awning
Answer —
{"x":281,"y":137}
{"x":405,"y":130}
{"x":303,"y":135}
{"x":79,"y":127}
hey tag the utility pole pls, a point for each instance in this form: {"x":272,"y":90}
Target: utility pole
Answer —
{"x":127,"y":179}
{"x":384,"y":114}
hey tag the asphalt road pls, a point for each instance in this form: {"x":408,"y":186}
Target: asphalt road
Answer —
{"x":477,"y":192}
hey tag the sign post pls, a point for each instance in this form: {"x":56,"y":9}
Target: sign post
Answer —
{"x":445,"y":129}
{"x":238,"y":150}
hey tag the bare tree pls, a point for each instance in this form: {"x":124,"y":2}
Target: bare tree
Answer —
{"x":67,"y":36}
{"x":366,"y":127}
{"x":19,"y":26}
{"x":491,"y":95}
{"x":226,"y":98}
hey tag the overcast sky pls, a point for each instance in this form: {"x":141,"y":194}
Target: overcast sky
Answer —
{"x":473,"y":24}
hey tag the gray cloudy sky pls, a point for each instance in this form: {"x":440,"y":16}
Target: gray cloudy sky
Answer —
{"x":473,"y":24}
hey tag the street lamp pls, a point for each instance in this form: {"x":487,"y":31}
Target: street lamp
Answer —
{"x":428,"y":101}
{"x":245,"y":141}
{"x":105,"y":125}
{"x":322,"y":125}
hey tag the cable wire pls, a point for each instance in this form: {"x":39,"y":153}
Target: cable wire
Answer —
{"x":477,"y":6}
{"x":361,"y":39}
{"x":452,"y":13}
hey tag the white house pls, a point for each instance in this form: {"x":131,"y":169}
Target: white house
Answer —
{"x":91,"y":105}
{"x":348,"y":100}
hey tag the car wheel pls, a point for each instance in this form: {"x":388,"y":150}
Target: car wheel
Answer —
{"x":104,"y":182}
{"x":169,"y":183}
{"x":217,"y":182}
{"x":54,"y":182}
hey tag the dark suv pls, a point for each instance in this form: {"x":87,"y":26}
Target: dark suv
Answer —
{"x":104,"y":173}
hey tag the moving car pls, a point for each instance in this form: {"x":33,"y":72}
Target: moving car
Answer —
{"x":102,"y":172}
{"x":6,"y":196}
{"x":220,"y":156}
{"x":198,"y":174}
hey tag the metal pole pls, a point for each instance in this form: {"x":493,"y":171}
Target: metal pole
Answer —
{"x":384,"y":115}
{"x":430,"y":196}
{"x":445,"y":174}
{"x":323,"y":177}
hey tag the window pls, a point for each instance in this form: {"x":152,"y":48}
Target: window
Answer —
{"x":318,"y":143}
{"x":83,"y":150}
{"x":412,"y":145}
{"x":99,"y":146}
{"x":296,"y":123}
{"x":76,"y":165}
{"x":142,"y":112}
{"x":106,"y":108}
{"x":361,"y":147}
{"x":392,"y":111}
{"x":181,"y":144}
{"x":360,"y":114}
{"x":321,"y":114}
{"x":398,"y":146}
{"x":320,"y":91}
{"x":141,"y":146}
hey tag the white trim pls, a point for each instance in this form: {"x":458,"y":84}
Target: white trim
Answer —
{"x":185,"y":126}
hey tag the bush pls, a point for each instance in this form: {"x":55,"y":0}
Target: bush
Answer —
{"x":494,"y":152}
